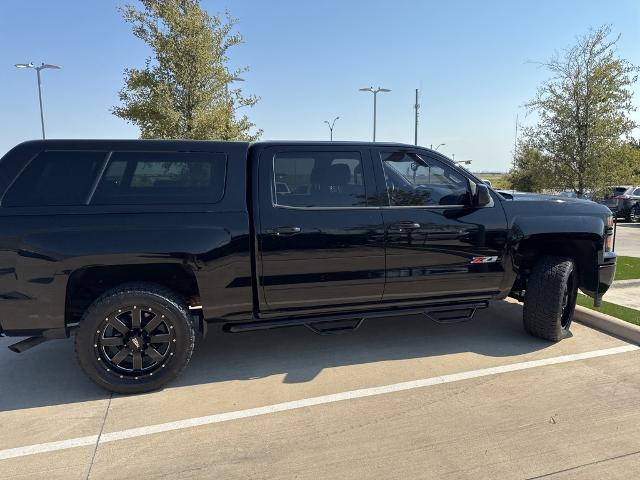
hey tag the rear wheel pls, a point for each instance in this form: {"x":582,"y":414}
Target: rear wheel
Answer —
{"x":550,"y":298}
{"x":135,"y":338}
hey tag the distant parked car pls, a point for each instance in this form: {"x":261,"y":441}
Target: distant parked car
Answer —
{"x":572,"y":194}
{"x":624,"y":202}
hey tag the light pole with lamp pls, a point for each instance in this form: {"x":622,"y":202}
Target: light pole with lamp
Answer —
{"x":375,"y":95}
{"x":331,"y":127}
{"x":37,"y":69}
{"x":437,"y":146}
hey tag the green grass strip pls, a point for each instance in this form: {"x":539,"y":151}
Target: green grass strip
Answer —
{"x":627,"y":268}
{"x":623,"y":313}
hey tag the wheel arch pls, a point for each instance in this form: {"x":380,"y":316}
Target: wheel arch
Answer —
{"x":582,"y":248}
{"x":87,"y":284}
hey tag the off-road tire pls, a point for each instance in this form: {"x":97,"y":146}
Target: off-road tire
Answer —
{"x":154,"y":297}
{"x":551,"y":283}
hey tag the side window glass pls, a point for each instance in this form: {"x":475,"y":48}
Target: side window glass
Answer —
{"x":319,"y":179}
{"x":162,"y":178}
{"x":636,"y":191}
{"x":56,"y":178}
{"x":414,"y":181}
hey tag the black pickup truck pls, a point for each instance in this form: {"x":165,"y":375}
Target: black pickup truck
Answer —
{"x":135,"y":247}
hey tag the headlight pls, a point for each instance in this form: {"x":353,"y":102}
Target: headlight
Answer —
{"x":609,"y":233}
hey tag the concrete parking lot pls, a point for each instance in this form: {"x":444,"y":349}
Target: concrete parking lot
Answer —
{"x":628,"y":239}
{"x":399,"y":398}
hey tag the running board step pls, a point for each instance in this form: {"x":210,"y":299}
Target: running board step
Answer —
{"x":27,"y":344}
{"x":335,"y":327}
{"x":348,"y":322}
{"x":452,"y":316}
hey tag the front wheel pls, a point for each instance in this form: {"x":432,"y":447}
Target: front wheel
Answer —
{"x":135,"y":338}
{"x":550,"y":298}
{"x":634,"y":214}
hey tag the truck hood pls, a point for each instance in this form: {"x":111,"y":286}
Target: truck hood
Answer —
{"x":550,"y":205}
{"x":528,"y":196}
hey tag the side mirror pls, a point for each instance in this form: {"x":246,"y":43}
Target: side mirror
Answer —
{"x":482,"y":197}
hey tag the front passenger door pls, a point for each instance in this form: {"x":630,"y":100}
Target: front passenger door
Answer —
{"x":435,"y":238}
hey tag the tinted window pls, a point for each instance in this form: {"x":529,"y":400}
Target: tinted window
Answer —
{"x":319,"y":179}
{"x":636,"y":191}
{"x":413,"y":181}
{"x":160,"y":178}
{"x":55,"y":178}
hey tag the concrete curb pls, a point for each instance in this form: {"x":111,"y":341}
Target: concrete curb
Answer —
{"x":608,"y":324}
{"x":626,"y":283}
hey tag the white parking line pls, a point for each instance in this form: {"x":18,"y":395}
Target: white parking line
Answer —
{"x":308,"y":402}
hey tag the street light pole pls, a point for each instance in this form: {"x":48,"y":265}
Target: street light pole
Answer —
{"x":37,"y":69}
{"x":331,"y":127}
{"x":40,"y":100}
{"x":375,"y":104}
{"x":375,"y":109}
{"x":437,"y":146}
{"x":416,"y":106}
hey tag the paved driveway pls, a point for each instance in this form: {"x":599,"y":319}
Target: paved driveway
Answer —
{"x":399,"y":398}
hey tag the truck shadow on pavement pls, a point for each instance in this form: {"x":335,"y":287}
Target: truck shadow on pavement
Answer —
{"x":49,"y":375}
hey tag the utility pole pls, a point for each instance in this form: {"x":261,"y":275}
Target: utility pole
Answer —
{"x":416,"y":107}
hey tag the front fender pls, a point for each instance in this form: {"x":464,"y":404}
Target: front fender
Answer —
{"x":578,"y":237}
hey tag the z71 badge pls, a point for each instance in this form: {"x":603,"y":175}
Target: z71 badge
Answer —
{"x":484,"y":259}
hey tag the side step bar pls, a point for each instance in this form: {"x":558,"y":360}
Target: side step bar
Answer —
{"x":442,"y":313}
{"x":27,"y":343}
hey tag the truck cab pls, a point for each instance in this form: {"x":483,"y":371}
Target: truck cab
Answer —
{"x":370,"y":228}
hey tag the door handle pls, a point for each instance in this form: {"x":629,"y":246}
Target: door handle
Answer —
{"x":282,"y":231}
{"x":404,"y":226}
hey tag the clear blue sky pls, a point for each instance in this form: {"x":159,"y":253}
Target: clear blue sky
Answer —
{"x":470,"y":59}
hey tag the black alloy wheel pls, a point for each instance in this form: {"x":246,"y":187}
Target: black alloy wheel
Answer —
{"x":135,"y":338}
{"x":135,"y":341}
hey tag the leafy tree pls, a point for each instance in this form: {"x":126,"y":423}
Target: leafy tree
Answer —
{"x":183,"y":91}
{"x":628,"y":155}
{"x":531,"y":171}
{"x":583,"y":115}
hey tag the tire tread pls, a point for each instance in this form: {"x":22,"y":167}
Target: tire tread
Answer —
{"x":543,"y":298}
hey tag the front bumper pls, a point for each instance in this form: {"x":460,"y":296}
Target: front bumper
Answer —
{"x":606,"y":274}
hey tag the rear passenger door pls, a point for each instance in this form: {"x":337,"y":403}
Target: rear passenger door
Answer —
{"x":320,"y":230}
